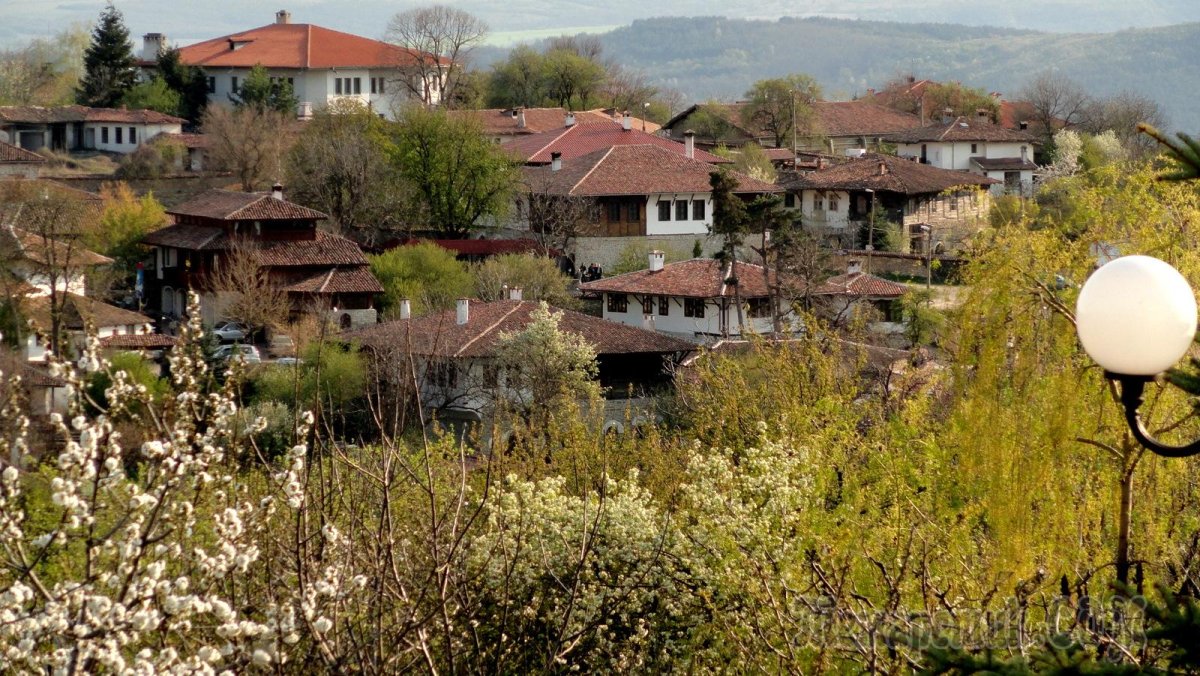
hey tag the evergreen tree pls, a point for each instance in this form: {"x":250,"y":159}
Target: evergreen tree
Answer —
{"x":109,"y":69}
{"x":731,"y":222}
{"x":264,"y":93}
{"x":189,"y":81}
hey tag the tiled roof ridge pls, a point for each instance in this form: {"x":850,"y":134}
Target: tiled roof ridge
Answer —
{"x":595,"y":166}
{"x":489,"y":329}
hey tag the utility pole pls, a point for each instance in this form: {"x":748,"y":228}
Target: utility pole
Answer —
{"x":794,"y":147}
{"x":871,"y":230}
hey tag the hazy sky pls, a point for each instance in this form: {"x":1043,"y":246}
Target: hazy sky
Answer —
{"x":186,"y":21}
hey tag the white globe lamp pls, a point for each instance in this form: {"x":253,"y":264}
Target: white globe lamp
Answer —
{"x":1136,"y":316}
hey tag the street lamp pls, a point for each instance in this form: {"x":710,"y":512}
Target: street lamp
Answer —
{"x":1136,"y":317}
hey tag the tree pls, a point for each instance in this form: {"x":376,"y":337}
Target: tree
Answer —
{"x":627,"y":89}
{"x":152,"y":94}
{"x":340,"y":165}
{"x":109,"y":67}
{"x":189,"y":82}
{"x":45,"y":71}
{"x":731,"y":223}
{"x":546,"y":369}
{"x":1056,"y":102}
{"x":1121,"y":114}
{"x":940,"y":97}
{"x":438,"y":40}
{"x":537,"y":276}
{"x":126,"y":219}
{"x":244,"y":291}
{"x":459,"y":176}
{"x":426,"y":274}
{"x":555,"y":219}
{"x":263,"y":92}
{"x":248,"y":141}
{"x":749,"y":159}
{"x":571,"y":79}
{"x":517,"y":81}
{"x":774,"y":105}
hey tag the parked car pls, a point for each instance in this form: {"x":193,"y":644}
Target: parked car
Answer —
{"x":247,"y":354}
{"x":289,"y":361}
{"x":231,"y":332}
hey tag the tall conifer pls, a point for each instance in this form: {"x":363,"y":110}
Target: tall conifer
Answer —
{"x":109,"y":67}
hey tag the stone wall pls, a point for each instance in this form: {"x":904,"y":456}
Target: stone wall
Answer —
{"x":169,"y":190}
{"x":606,"y":251}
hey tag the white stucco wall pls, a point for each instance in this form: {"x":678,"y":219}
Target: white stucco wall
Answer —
{"x":94,"y":135}
{"x":676,"y":324}
{"x":673,"y":227}
{"x":957,"y":155}
{"x":825,"y":216}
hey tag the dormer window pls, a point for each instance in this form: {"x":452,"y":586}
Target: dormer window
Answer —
{"x":235,"y":44}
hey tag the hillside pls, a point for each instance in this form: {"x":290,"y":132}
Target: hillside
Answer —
{"x":713,"y":57}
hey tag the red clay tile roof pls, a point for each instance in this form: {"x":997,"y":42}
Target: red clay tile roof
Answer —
{"x":338,"y":280}
{"x":584,"y":139}
{"x":503,"y":121}
{"x":962,"y":129}
{"x":860,"y":284}
{"x":326,"y":249}
{"x":78,"y":310}
{"x":1003,"y":164}
{"x":633,"y":170}
{"x":695,"y":278}
{"x":229,"y":205}
{"x":439,"y":335}
{"x":296,"y":45}
{"x":18,"y":244}
{"x":859,"y":118}
{"x":190,"y":237}
{"x":11,"y":153}
{"x":779,"y":154}
{"x":886,"y":173}
{"x":44,"y":114}
{"x":134,"y":341}
{"x":12,"y":364}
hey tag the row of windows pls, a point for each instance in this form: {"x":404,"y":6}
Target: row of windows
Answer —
{"x":698,"y":208}
{"x":341,"y":85}
{"x":377,"y":85}
{"x":347,"y":85}
{"x":819,"y":202}
{"x":632,"y":211}
{"x":692,"y":307}
{"x":118,"y":134}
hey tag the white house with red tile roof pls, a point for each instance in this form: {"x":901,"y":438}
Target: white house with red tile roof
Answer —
{"x":67,"y":128}
{"x":975,"y":145}
{"x":322,"y":65}
{"x":840,"y":298}
{"x":577,"y":139}
{"x":694,"y":299}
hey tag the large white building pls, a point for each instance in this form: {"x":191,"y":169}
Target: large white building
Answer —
{"x":977,"y":146}
{"x":322,"y":65}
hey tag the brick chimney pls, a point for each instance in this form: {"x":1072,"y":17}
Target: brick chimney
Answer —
{"x":283,"y":16}
{"x":689,"y":144}
{"x":463,"y":311}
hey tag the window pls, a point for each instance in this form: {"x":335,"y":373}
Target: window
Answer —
{"x":647,"y":305}
{"x":377,"y":86}
{"x":337,"y":86}
{"x":358,"y":85}
{"x":374,"y":88}
{"x":834,"y":203}
{"x":819,"y":202}
{"x":760,"y":307}
{"x":212,"y":84}
{"x":664,"y":210}
{"x":133,"y":135}
{"x":614,"y":212}
{"x":698,"y":207}
{"x":789,"y":201}
{"x":664,"y":306}
{"x":233,"y":84}
{"x":681,"y":210}
{"x":104,"y":134}
{"x":633,"y":212}
{"x":491,"y":375}
{"x":954,"y":202}
{"x":617,"y":302}
{"x":444,"y":374}
{"x":170,"y":257}
{"x":693,"y":307}
{"x":974,"y":148}
{"x":119,"y":131}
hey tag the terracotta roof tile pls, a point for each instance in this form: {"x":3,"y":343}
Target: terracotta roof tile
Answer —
{"x":885,"y":173}
{"x":12,"y":364}
{"x":191,"y":237}
{"x":859,"y":118}
{"x":584,"y":139}
{"x":134,"y":341}
{"x":504,"y":121}
{"x":18,"y":244}
{"x":338,"y":280}
{"x":695,"y":278}
{"x":45,"y":114}
{"x":296,"y":45}
{"x":962,"y":129}
{"x":860,"y":284}
{"x":633,"y":170}
{"x":229,"y":205}
{"x":326,"y":249}
{"x":11,"y":153}
{"x":439,"y":334}
{"x":78,"y":310}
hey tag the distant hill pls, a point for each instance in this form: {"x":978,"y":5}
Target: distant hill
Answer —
{"x":714,"y":57}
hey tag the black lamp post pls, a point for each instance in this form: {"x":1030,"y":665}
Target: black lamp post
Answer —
{"x":1136,"y":317}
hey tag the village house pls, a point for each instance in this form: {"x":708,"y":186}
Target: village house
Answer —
{"x":649,"y":192}
{"x":842,"y":298}
{"x":321,"y":65}
{"x":573,"y":139}
{"x":836,"y":128}
{"x":974,"y":145}
{"x":17,"y":162}
{"x":455,"y":357}
{"x":934,"y":207}
{"x":502,"y":125}
{"x":318,"y":270}
{"x":76,"y":128}
{"x":694,"y":299}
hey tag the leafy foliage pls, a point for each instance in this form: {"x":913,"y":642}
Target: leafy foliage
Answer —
{"x":425,"y":273}
{"x":152,"y":94}
{"x":263,"y":92}
{"x":538,"y":277}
